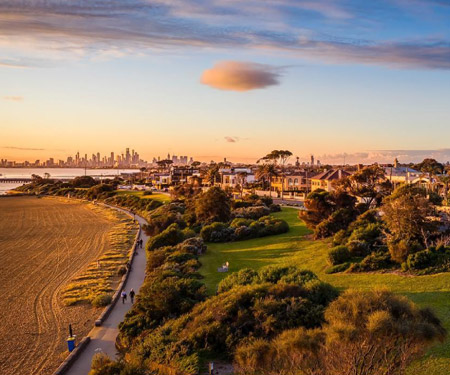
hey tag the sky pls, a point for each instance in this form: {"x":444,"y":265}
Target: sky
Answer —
{"x":345,"y":80}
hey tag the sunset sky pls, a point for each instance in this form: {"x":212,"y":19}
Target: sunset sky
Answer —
{"x":368,"y":80}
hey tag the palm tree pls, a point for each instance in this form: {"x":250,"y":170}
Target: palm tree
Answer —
{"x":241,"y":177}
{"x":267,"y":171}
{"x":278,"y":157}
{"x":213,"y":175}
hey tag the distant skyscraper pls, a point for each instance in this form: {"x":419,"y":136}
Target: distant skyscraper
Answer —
{"x":312,"y":159}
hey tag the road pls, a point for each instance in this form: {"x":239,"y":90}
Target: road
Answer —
{"x":103,"y":338}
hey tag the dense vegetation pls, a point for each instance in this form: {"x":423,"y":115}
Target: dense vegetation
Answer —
{"x":401,"y":228}
{"x":174,"y":327}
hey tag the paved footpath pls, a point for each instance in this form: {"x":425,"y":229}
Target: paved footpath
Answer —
{"x":103,"y":338}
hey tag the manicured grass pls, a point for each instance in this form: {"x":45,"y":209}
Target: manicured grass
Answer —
{"x":155,"y":196}
{"x":294,"y":248}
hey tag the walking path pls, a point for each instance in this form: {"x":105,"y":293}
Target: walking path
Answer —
{"x":103,"y":338}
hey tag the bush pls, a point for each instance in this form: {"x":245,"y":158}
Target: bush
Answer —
{"x":338,"y":255}
{"x":254,"y":213}
{"x":358,"y":248}
{"x":169,"y":237}
{"x":338,"y":268}
{"x":239,"y":222}
{"x":122,"y":270}
{"x":101,"y":300}
{"x":421,"y":260}
{"x":376,"y":261}
{"x":337,"y":221}
{"x":207,"y":230}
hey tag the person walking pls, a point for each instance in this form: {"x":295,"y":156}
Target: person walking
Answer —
{"x":124,"y":296}
{"x":132,"y":295}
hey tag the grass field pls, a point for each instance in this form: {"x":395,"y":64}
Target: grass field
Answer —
{"x":294,"y":248}
{"x":44,"y":243}
{"x":155,"y":196}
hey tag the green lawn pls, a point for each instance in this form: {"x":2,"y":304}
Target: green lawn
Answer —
{"x":155,"y":196}
{"x":293,"y":248}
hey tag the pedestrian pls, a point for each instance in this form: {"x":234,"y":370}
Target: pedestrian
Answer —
{"x":132,"y":295}
{"x":128,"y":266}
{"x":141,"y":242}
{"x":124,"y":296}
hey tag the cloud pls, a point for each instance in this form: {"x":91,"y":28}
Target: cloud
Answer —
{"x":13,"y":98}
{"x":23,"y":148}
{"x":81,"y":28}
{"x":385,"y":156}
{"x":240,"y":76}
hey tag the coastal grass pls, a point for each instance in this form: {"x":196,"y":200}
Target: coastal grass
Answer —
{"x":98,"y":280}
{"x":295,"y":248}
{"x":163,"y":198}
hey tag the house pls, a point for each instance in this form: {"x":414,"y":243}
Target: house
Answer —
{"x":292,"y":183}
{"x":325,"y":179}
{"x":231,"y":177}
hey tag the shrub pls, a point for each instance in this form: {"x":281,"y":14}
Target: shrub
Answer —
{"x":421,"y":260}
{"x":340,"y":238}
{"x":101,"y":300}
{"x":337,"y":221}
{"x":274,"y":208}
{"x":376,"y":261}
{"x":254,"y":213}
{"x":193,"y":245}
{"x":169,"y":237}
{"x":239,"y":222}
{"x":338,"y":268}
{"x":122,"y":270}
{"x":358,"y":248}
{"x":338,"y":255}
{"x":243,"y":233}
{"x":207,"y":230}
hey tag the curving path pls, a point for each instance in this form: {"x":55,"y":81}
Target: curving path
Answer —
{"x":103,"y":338}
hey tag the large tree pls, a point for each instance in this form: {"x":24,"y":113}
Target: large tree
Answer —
{"x":407,"y":215}
{"x":213,"y":205}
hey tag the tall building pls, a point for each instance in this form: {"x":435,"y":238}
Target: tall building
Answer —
{"x":312,"y":159}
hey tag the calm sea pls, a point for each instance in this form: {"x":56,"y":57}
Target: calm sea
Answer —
{"x":55,"y":173}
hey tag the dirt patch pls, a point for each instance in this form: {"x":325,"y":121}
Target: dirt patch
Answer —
{"x":44,"y":243}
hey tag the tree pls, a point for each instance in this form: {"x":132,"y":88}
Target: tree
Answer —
{"x":164,"y":164}
{"x":445,"y":181}
{"x":369,"y":184}
{"x":431,"y":167}
{"x":241,"y":178}
{"x":213,"y":174}
{"x":267,"y":171}
{"x":213,"y":205}
{"x":406,"y":214}
{"x":319,"y":206}
{"x":278,"y":157}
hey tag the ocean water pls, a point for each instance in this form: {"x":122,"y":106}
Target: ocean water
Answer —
{"x":55,"y":173}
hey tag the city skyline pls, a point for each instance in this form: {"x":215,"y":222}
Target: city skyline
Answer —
{"x":124,"y":159}
{"x":321,"y":77}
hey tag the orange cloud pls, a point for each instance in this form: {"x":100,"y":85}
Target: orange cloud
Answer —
{"x":13,"y":98}
{"x":240,"y":76}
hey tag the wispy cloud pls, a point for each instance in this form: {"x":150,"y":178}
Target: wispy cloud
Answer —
{"x":385,"y":156}
{"x":13,"y":98}
{"x":84,"y":27}
{"x":240,"y":76}
{"x":23,"y":148}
